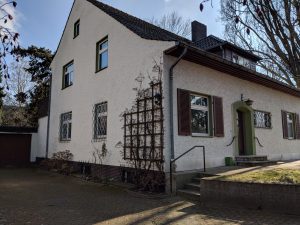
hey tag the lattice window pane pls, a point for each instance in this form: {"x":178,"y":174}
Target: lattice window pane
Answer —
{"x":262,"y":119}
{"x":100,"y":121}
{"x":66,"y":126}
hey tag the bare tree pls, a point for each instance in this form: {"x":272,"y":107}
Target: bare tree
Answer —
{"x":174,"y":23}
{"x":14,"y":110}
{"x":9,"y":42}
{"x":270,"y":29}
{"x":19,"y":82}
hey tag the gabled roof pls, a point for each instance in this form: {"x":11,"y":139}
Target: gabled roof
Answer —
{"x":149,"y":31}
{"x":140,"y":27}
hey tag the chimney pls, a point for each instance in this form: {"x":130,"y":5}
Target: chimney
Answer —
{"x":199,"y":31}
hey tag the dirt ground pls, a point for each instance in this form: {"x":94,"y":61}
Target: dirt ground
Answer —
{"x":35,"y":197}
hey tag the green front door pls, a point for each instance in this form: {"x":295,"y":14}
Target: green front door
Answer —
{"x":244,"y":129}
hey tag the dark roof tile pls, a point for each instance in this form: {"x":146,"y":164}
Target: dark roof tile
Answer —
{"x":140,"y":27}
{"x":209,"y":42}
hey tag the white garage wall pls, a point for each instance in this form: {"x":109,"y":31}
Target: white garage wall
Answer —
{"x":39,"y":140}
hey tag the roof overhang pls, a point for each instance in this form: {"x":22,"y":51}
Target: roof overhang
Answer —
{"x":213,"y":61}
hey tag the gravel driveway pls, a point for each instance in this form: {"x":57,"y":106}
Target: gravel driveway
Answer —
{"x":30,"y":196}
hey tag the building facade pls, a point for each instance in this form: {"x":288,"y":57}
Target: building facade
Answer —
{"x":219,"y":100}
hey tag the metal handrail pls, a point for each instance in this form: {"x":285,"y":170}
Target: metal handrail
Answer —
{"x":231,"y":141}
{"x":258,"y":141}
{"x":183,"y":154}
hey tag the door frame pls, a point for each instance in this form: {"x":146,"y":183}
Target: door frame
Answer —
{"x":250,"y":147}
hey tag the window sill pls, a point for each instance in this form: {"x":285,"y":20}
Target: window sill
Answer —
{"x":264,"y":128}
{"x":100,"y":139}
{"x":63,"y":88}
{"x":98,"y":70}
{"x":65,"y":141}
{"x":291,"y":139}
{"x":202,"y":135}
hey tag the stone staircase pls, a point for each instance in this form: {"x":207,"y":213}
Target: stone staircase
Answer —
{"x":252,"y":160}
{"x":191,"y":190}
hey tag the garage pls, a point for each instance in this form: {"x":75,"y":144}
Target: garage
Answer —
{"x":15,"y":146}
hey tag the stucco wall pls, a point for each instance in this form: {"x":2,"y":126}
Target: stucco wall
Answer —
{"x":129,"y":55}
{"x":203,"y":80}
{"x":39,"y":140}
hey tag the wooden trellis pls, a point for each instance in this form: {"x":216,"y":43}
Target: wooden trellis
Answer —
{"x":143,"y":126}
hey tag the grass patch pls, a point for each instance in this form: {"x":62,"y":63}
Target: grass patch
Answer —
{"x":278,"y":176}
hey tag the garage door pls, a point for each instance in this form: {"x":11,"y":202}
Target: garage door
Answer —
{"x":15,"y":149}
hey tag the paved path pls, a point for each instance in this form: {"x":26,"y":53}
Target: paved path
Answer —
{"x":231,"y":170}
{"x":36,"y":197}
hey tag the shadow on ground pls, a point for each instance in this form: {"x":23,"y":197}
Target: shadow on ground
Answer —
{"x":30,"y":196}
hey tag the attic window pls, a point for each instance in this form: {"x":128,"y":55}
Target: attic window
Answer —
{"x":76,"y":28}
{"x":243,"y":61}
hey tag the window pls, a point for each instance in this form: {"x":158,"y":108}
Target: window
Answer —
{"x":243,"y":61}
{"x":102,"y":55}
{"x":68,"y":74}
{"x":65,"y":126}
{"x":76,"y":28}
{"x":200,"y":115}
{"x":262,"y":119}
{"x":100,"y":121}
{"x":291,"y":125}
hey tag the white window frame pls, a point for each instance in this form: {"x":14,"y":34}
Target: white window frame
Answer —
{"x":292,"y":122}
{"x":202,"y":108}
{"x":66,"y":119}
{"x":69,"y":73}
{"x":99,"y":54}
{"x":98,"y":114}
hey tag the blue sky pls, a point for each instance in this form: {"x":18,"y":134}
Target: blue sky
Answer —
{"x":41,"y":22}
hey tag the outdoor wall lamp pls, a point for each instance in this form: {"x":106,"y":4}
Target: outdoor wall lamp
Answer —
{"x":248,"y":102}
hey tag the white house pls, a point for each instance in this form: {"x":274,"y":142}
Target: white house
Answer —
{"x":218,"y":99}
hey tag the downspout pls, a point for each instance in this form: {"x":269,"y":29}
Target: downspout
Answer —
{"x":48,"y":123}
{"x":171,"y":99}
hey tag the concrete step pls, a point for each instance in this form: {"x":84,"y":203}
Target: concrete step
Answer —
{"x":204,"y":174}
{"x":196,"y":180}
{"x":251,"y":158}
{"x":254,"y":163}
{"x":192,"y":186}
{"x":190,"y":194}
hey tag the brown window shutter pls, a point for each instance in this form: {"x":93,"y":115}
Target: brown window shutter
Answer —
{"x":184,"y":112}
{"x":297,"y":120}
{"x":284,"y":124}
{"x":218,"y":116}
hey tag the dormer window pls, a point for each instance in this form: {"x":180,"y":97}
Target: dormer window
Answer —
{"x":243,"y":61}
{"x":76,"y":28}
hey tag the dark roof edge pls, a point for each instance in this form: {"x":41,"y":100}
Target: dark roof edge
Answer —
{"x":9,"y":129}
{"x":63,"y":30}
{"x":233,"y":69}
{"x":246,"y":52}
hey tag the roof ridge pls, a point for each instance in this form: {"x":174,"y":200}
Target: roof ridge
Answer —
{"x":105,"y":7}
